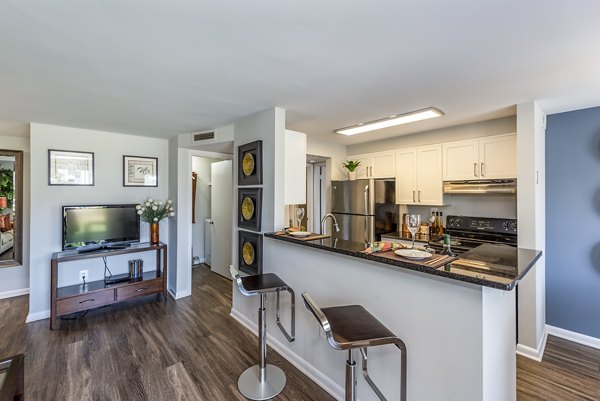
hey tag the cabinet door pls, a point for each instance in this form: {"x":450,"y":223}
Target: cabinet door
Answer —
{"x":362,"y":171}
{"x":498,"y":157}
{"x":460,"y":160}
{"x":383,"y":165}
{"x":406,"y":176}
{"x":429,"y":175}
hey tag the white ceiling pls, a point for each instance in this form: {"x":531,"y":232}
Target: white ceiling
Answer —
{"x":162,"y":68}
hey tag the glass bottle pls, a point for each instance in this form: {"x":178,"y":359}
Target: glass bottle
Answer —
{"x":432,"y":228}
{"x":440,"y":225}
{"x":447,"y":249}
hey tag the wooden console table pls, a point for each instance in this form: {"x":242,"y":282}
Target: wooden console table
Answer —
{"x":81,"y":297}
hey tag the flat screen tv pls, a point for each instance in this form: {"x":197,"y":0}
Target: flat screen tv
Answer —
{"x":99,"y":226}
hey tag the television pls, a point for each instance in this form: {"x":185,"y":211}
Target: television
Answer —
{"x":87,"y":228}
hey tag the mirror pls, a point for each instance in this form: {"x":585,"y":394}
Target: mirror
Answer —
{"x":11,"y":208}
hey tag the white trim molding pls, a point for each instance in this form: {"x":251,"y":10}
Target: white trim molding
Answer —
{"x":181,"y":294}
{"x":532,"y":353}
{"x":573,"y":336}
{"x":302,"y":365}
{"x":14,"y":293}
{"x":34,"y":316}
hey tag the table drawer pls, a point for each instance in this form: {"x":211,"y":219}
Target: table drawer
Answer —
{"x":139,"y":289}
{"x":85,"y":301}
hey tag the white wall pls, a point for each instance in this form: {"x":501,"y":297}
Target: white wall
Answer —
{"x":335,"y":151}
{"x":46,"y":201}
{"x":201,"y":166}
{"x":531,"y":148}
{"x":505,"y":125}
{"x":15,"y":280}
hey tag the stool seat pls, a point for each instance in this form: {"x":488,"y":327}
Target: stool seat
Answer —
{"x":353,"y":327}
{"x":261,"y":283}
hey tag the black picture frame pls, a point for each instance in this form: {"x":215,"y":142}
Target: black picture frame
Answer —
{"x":84,"y":178}
{"x":256,"y":241}
{"x":255,"y":195}
{"x":131,"y":163}
{"x":256,"y":177}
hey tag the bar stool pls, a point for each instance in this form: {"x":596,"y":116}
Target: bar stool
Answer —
{"x":350,"y":327}
{"x":264,"y":381}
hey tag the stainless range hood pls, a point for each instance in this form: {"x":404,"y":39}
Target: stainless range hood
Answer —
{"x":481,"y":187}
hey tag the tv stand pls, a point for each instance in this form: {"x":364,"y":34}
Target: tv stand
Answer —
{"x":80,"y":297}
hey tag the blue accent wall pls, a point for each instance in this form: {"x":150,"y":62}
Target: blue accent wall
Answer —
{"x":573,"y":221}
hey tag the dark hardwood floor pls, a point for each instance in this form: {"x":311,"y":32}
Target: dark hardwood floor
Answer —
{"x":144,"y":350}
{"x":192,"y":350}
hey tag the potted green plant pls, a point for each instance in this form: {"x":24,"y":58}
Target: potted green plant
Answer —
{"x":351,"y":166}
{"x":6,"y":185}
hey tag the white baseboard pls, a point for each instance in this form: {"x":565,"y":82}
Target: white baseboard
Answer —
{"x":32,"y":317}
{"x":573,"y":336}
{"x":532,"y":353}
{"x":14,"y":293}
{"x":181,"y":294}
{"x":302,"y":365}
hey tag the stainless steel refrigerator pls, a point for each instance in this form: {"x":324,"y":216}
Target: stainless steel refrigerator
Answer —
{"x":364,"y":209}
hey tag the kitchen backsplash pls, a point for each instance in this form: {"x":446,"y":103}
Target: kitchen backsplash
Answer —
{"x":501,"y":206}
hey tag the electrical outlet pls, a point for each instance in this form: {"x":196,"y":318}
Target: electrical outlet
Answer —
{"x":83,"y":275}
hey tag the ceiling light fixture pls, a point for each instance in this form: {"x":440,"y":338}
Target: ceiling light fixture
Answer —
{"x":398,"y":119}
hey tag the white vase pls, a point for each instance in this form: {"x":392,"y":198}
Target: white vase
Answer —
{"x":351,"y":175}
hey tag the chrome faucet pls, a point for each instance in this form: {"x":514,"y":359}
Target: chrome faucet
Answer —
{"x":335,"y":223}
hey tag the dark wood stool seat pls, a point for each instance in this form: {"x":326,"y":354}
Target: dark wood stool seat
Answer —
{"x":260,"y":283}
{"x":350,"y":327}
{"x":353,"y":327}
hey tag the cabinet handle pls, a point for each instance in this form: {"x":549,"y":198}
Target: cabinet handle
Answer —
{"x":475,"y":169}
{"x":419,"y":196}
{"x":87,"y":300}
{"x":414,"y":200}
{"x":483,"y":169}
{"x":141,"y":289}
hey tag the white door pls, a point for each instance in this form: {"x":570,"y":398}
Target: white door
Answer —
{"x":382,"y":165}
{"x":429,"y":175}
{"x":221,"y":200}
{"x":461,"y":160}
{"x":498,"y":157}
{"x":406,"y":176}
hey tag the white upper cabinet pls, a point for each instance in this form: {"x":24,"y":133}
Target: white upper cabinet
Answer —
{"x":294,"y":168}
{"x":406,"y":176}
{"x":493,"y":157}
{"x":419,"y":176}
{"x":461,"y":160}
{"x":375,"y":165}
{"x":429,"y":175}
{"x":498,"y":157}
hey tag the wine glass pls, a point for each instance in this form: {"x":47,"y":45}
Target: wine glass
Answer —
{"x":413,"y":221}
{"x":299,"y":215}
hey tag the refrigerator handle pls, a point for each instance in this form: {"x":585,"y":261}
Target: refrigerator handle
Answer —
{"x":366,"y":193}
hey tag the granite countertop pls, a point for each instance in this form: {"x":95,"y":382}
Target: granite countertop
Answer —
{"x":510,"y":264}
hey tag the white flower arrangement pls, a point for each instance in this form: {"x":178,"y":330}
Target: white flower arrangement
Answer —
{"x":153,"y":211}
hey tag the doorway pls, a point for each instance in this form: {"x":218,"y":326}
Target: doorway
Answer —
{"x":316,"y":191}
{"x":204,"y":207}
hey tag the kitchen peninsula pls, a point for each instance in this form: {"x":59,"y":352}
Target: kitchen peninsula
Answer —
{"x":460,"y":330}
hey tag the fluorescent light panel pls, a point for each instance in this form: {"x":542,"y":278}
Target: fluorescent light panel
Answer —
{"x":424,"y":114}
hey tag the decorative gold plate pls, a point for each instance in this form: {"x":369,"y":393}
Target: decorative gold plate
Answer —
{"x":248,"y":164}
{"x":247,"y":208}
{"x":248,"y":253}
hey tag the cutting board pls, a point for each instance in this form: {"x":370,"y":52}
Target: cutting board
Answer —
{"x":311,"y":237}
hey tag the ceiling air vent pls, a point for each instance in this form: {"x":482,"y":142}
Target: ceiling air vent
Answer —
{"x":204,"y":136}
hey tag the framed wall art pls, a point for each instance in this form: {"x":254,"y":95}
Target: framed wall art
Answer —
{"x":67,"y":167}
{"x":249,"y":208}
{"x":250,"y":252}
{"x":250,"y":164}
{"x":140,"y":171}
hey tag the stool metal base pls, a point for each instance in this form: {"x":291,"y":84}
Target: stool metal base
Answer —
{"x":251,"y":387}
